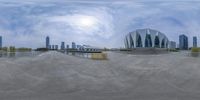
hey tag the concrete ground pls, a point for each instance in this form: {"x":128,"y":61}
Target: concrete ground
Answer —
{"x":55,"y":76}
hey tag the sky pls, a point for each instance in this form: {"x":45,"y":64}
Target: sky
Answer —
{"x":100,"y":23}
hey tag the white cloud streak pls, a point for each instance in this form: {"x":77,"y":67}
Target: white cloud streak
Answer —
{"x":27,"y":23}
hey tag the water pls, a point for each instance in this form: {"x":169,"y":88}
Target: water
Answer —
{"x":35,"y":53}
{"x":19,"y":54}
{"x":79,"y":54}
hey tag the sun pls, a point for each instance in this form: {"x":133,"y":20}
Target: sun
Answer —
{"x":87,"y":21}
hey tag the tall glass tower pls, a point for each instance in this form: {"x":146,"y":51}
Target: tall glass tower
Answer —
{"x":73,"y":45}
{"x":47,"y":42}
{"x":183,"y":42}
{"x":62,"y":47}
{"x":194,"y":41}
{"x":67,"y":46}
{"x":0,"y":41}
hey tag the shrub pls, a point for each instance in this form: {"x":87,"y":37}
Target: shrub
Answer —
{"x":173,"y":50}
{"x":195,"y":50}
{"x":99,"y":56}
{"x":41,"y":49}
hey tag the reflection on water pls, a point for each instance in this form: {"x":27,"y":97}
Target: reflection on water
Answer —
{"x":19,"y":54}
{"x":35,"y":53}
{"x":78,"y":54}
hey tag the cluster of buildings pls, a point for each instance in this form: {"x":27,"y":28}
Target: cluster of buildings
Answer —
{"x":145,"y":38}
{"x":51,"y":47}
{"x":73,"y":46}
{"x":140,"y":38}
{"x":183,"y":42}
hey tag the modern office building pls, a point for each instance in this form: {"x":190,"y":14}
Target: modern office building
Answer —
{"x":67,"y":46}
{"x":172,"y":45}
{"x":146,"y":38}
{"x":62,"y":47}
{"x":56,"y":47}
{"x":1,"y":42}
{"x":73,"y":45}
{"x":183,"y":42}
{"x":194,"y":41}
{"x":47,"y":42}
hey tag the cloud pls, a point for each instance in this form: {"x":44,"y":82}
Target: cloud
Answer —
{"x":27,"y":23}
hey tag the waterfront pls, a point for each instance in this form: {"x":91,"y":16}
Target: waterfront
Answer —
{"x":35,"y":53}
{"x":19,"y":54}
{"x":53,"y":75}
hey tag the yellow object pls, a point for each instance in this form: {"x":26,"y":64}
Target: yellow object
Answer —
{"x":195,"y":49}
{"x":99,"y":56}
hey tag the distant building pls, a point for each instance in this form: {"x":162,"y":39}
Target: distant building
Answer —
{"x":183,"y":42}
{"x":56,"y":47}
{"x":89,"y":48}
{"x":78,"y":46}
{"x":52,"y":47}
{"x":172,"y":45}
{"x":67,"y":46}
{"x":1,"y":42}
{"x":194,"y":41}
{"x":73,"y":45}
{"x":62,"y":47}
{"x":47,"y":42}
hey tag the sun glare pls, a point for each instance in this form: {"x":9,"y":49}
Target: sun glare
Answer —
{"x":87,"y":21}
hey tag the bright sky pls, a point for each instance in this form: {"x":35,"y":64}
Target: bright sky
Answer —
{"x":98,"y":23}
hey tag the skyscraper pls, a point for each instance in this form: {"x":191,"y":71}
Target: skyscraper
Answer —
{"x":47,"y":42}
{"x":62,"y":47}
{"x":194,"y":41}
{"x":0,"y":41}
{"x":73,"y":45}
{"x":172,"y":45}
{"x":67,"y":46}
{"x":183,"y":42}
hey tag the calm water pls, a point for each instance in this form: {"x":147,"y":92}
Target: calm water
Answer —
{"x":19,"y":54}
{"x":78,"y":54}
{"x":35,"y":53}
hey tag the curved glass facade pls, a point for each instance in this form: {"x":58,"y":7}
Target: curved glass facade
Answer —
{"x":146,"y":38}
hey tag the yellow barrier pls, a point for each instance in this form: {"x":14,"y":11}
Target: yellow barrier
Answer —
{"x":99,"y":56}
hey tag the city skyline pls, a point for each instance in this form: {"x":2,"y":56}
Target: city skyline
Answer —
{"x":99,"y":23}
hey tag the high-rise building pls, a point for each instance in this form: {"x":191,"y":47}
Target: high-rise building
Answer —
{"x":56,"y":47}
{"x":183,"y":42}
{"x":67,"y":46}
{"x":0,"y":41}
{"x":194,"y":41}
{"x":62,"y":47}
{"x":73,"y":45}
{"x":47,"y":42}
{"x":172,"y":45}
